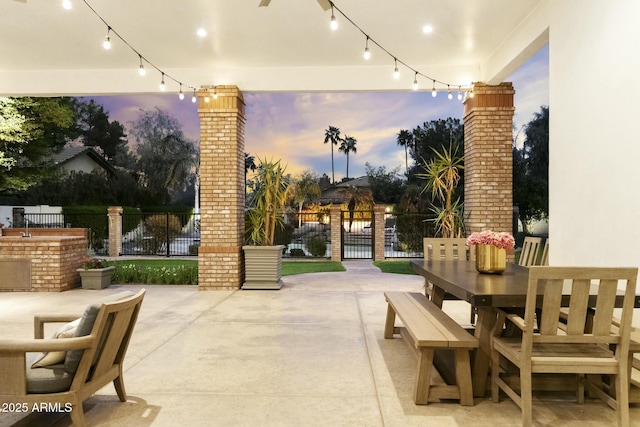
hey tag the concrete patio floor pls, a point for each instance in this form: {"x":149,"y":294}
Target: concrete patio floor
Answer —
{"x":311,"y":354}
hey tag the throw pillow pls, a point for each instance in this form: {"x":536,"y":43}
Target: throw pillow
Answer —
{"x":54,"y":357}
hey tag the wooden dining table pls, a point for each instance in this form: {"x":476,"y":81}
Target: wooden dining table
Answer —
{"x":485,"y":292}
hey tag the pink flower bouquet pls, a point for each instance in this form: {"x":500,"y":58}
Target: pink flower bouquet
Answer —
{"x":502,"y":240}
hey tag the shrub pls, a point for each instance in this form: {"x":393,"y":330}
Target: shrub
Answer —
{"x":296,"y":252}
{"x":163,"y":229}
{"x":317,"y":246}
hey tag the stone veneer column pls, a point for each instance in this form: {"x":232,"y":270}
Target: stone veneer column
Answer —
{"x":378,"y":221}
{"x":115,"y":230}
{"x":488,"y":158}
{"x":222,"y":124}
{"x":336,"y":233}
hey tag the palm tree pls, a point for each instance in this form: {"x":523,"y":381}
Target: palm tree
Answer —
{"x":406,"y":139}
{"x":357,"y":196}
{"x":304,"y":189}
{"x":332,"y":135}
{"x":347,"y":145}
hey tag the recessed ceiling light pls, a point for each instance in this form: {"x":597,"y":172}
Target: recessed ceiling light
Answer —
{"x":202,"y":32}
{"x":427,"y":29}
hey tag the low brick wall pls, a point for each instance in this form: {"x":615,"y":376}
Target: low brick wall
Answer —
{"x":53,"y":258}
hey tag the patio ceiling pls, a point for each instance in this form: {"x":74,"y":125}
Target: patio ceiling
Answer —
{"x":286,"y":46}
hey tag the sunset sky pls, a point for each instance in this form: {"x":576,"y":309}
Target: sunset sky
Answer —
{"x":290,"y":126}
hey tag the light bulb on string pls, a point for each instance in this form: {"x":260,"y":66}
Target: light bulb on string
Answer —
{"x":396,"y":73}
{"x":434,"y":93}
{"x":471,"y":92}
{"x":163,"y":87}
{"x":66,"y":4}
{"x":449,"y":95}
{"x":107,"y":40}
{"x":367,"y":52}
{"x":415,"y":81}
{"x":333,"y":24}
{"x":459,"y":94}
{"x":181,"y":95}
{"x":141,"y":69}
{"x":193,"y":98}
{"x":215,"y":93}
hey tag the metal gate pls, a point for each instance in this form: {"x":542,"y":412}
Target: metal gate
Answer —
{"x":358,"y":237}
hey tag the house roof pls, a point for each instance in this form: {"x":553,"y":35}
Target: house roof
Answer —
{"x":69,"y":153}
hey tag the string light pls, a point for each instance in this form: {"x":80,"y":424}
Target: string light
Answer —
{"x":215,"y":92}
{"x":66,"y":4}
{"x":449,"y":92}
{"x":163,"y":87}
{"x":334,"y":24}
{"x":107,"y":40}
{"x":433,"y":91}
{"x":367,"y":53}
{"x":193,"y":98}
{"x":459,"y":94}
{"x":141,"y":68}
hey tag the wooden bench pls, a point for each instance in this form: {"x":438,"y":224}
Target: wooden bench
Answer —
{"x":427,"y":328}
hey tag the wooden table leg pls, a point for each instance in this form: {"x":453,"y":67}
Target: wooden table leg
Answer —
{"x":437,"y":296}
{"x":484,"y":324}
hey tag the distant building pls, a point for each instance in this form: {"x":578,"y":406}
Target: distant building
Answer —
{"x":332,"y":195}
{"x":82,"y":159}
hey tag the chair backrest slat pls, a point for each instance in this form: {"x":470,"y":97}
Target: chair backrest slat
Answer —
{"x":545,"y":253}
{"x":552,"y":299}
{"x":578,"y":306}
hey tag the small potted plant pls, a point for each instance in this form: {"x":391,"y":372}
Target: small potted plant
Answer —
{"x":262,"y":257}
{"x":95,"y":273}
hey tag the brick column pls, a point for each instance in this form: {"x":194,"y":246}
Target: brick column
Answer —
{"x":336,"y":233}
{"x":222,"y":123}
{"x":378,"y":221}
{"x":114,"y":213}
{"x":488,"y":158}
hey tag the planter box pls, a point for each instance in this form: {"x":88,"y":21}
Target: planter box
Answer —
{"x":262,"y":267}
{"x":97,"y":278}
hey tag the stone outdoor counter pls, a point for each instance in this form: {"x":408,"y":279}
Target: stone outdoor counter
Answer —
{"x":46,"y":261}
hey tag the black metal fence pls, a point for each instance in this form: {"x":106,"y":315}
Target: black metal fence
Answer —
{"x":404,"y":232}
{"x":307,"y":235}
{"x":165,"y":234}
{"x":98,"y":225}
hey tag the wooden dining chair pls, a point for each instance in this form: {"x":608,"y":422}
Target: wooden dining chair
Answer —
{"x":446,"y":249}
{"x":544,"y":260}
{"x":529,"y":253}
{"x":550,"y":349}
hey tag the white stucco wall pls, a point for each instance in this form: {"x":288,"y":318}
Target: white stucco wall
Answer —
{"x":594,"y":139}
{"x":81,"y":163}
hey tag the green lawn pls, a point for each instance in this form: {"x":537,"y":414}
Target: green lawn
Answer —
{"x":179,"y":271}
{"x":300,"y":267}
{"x":396,"y":267}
